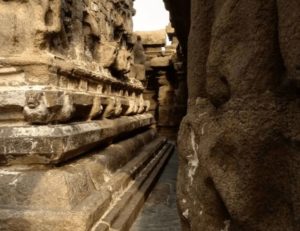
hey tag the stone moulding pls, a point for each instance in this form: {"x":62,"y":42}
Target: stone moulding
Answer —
{"x":51,"y":65}
{"x":76,"y":196}
{"x":52,"y":144}
{"x":68,"y":184}
{"x":37,"y":92}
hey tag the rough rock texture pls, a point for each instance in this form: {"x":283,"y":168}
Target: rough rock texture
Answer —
{"x":58,"y":143}
{"x":73,"y":61}
{"x":76,"y":143}
{"x":239,"y":143}
{"x":180,"y":19}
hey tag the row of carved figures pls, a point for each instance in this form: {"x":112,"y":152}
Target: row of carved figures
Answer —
{"x":38,"y":108}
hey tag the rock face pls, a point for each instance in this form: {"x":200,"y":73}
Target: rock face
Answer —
{"x":76,"y":140}
{"x":239,"y":143}
{"x":180,"y":19}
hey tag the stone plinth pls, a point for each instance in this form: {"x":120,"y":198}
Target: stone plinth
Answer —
{"x":54,"y":144}
{"x":161,"y":62}
{"x":76,"y":196}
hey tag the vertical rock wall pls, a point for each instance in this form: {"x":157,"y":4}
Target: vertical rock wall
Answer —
{"x":76,"y":142}
{"x":239,"y":143}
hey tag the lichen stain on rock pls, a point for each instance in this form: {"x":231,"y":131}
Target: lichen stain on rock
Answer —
{"x":193,"y":160}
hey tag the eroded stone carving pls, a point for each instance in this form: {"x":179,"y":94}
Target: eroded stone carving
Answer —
{"x":107,"y":53}
{"x":65,"y":113}
{"x":110,"y":109}
{"x":36,"y":110}
{"x":97,"y":108}
{"x":123,"y":60}
{"x":44,"y":107}
{"x":78,"y":47}
{"x":65,"y":88}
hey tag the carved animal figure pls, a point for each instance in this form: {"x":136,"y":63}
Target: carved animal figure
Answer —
{"x":109,"y":110}
{"x":96,"y":109}
{"x":66,"y":111}
{"x":35,"y":110}
{"x":38,"y":111}
{"x":118,"y":107}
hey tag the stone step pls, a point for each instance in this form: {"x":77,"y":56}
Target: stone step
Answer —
{"x":96,"y":203}
{"x":123,"y":213}
{"x":159,"y":212}
{"x":135,"y":166}
{"x":54,"y":144}
{"x":75,"y":196}
{"x":137,"y":182}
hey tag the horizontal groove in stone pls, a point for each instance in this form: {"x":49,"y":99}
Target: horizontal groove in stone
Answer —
{"x":121,"y":180}
{"x":123,"y":213}
{"x":129,"y":214}
{"x":56,"y":143}
{"x":134,"y":167}
{"x":84,"y":216}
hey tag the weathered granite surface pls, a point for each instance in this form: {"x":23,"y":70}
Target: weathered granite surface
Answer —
{"x":75,"y":134}
{"x":77,"y":195}
{"x":57,"y":143}
{"x":73,"y":61}
{"x":239,"y":165}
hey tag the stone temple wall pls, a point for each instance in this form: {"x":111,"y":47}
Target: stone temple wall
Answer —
{"x":165,"y":80}
{"x":239,"y":142}
{"x":66,"y":61}
{"x":74,"y":127}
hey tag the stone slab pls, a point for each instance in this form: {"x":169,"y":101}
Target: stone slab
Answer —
{"x":49,"y":220}
{"x":161,"y":62}
{"x":77,"y":212}
{"x":123,"y":213}
{"x":67,"y":185}
{"x":53,"y":144}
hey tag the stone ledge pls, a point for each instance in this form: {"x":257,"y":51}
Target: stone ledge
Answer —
{"x":123,"y":213}
{"x":155,"y":38}
{"x":52,"y":68}
{"x":44,"y":106}
{"x":68,"y":185}
{"x":138,"y":174}
{"x":57,"y":143}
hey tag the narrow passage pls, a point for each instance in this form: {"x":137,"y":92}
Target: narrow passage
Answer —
{"x":160,"y":210}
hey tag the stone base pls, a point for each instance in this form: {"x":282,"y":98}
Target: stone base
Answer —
{"x":105,"y":188}
{"x":53,"y":144}
{"x":124,"y":212}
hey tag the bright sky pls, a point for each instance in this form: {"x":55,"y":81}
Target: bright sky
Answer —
{"x":150,"y":15}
